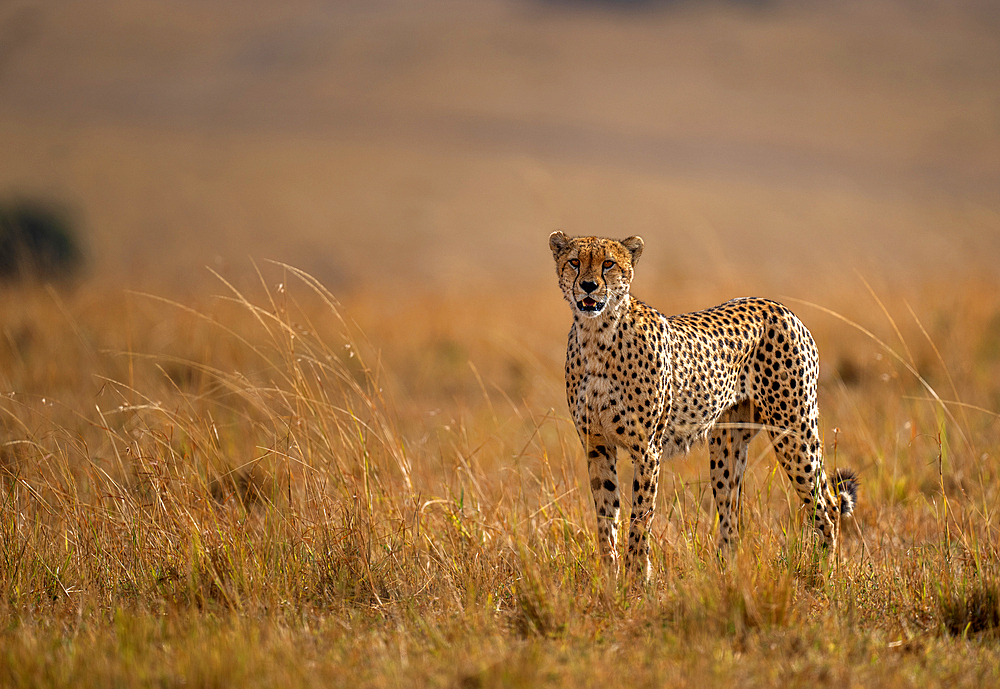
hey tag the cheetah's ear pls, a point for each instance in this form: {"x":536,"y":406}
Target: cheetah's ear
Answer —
{"x":558,"y":242}
{"x":634,"y":246}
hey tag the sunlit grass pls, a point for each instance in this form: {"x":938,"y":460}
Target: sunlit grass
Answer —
{"x":260,"y":489}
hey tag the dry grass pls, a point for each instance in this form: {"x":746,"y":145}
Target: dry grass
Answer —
{"x":276,"y":489}
{"x":260,"y":490}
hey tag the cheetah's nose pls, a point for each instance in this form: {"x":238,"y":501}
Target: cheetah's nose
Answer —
{"x":588,"y":286}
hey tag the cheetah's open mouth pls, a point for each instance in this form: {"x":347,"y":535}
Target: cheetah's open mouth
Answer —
{"x":589,"y":304}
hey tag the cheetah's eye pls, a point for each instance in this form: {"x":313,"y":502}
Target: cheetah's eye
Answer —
{"x":574,"y":262}
{"x":608,"y":264}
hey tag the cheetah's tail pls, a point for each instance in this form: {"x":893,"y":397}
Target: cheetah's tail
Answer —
{"x":847,"y":487}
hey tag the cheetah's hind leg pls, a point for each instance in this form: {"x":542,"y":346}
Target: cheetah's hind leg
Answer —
{"x":728,"y":446}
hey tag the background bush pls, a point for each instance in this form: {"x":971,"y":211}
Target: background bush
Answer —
{"x":37,"y":239}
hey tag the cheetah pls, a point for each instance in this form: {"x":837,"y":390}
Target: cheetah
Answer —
{"x":654,"y":385}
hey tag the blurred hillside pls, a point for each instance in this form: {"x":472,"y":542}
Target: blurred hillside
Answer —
{"x":437,"y":143}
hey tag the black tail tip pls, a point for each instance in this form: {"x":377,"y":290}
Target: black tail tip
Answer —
{"x":847,"y":486}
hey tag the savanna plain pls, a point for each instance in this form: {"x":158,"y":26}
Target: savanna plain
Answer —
{"x":349,"y":460}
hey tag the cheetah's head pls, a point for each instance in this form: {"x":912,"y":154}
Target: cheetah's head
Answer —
{"x":594,"y":273}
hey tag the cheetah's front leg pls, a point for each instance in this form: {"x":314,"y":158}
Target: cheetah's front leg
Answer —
{"x":646,"y":474}
{"x":603,"y":471}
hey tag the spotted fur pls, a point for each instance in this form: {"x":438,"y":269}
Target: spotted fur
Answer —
{"x":652,"y":385}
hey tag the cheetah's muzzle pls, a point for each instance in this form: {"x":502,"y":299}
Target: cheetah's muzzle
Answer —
{"x":590,"y":304}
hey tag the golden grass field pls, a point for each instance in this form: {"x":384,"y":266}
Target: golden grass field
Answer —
{"x":347,"y":459}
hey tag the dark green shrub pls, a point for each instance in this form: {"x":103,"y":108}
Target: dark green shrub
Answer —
{"x":37,"y":240}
